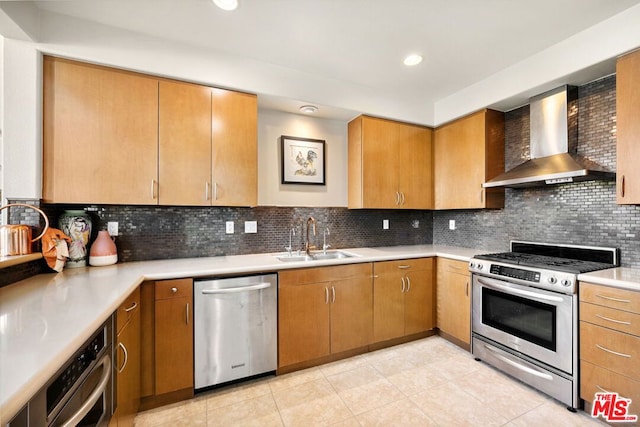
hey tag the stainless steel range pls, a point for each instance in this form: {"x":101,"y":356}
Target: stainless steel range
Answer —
{"x":525,"y":312}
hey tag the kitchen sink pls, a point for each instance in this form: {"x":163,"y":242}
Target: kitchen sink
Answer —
{"x":316,"y":256}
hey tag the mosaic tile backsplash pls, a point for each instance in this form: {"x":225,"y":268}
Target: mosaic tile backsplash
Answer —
{"x":579,"y":213}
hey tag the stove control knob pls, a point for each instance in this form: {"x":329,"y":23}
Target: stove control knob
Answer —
{"x":479,"y":266}
{"x":566,"y":283}
{"x":472,"y":265}
{"x":552,"y":280}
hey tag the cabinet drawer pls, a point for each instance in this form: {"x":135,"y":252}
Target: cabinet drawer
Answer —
{"x":611,"y":318}
{"x":453,"y":266}
{"x":166,"y":289}
{"x":127,"y":309}
{"x":621,"y":299}
{"x":595,"y":379}
{"x":613,"y":350}
{"x":323,"y":274}
{"x":386,"y":267}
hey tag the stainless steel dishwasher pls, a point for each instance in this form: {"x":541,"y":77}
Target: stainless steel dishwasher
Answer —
{"x":236,"y":328}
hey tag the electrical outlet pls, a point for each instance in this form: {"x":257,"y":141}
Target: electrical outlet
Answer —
{"x":229,"y":227}
{"x":452,"y":224}
{"x":250,"y":227}
{"x":385,"y":224}
{"x":112,"y":228}
{"x":415,"y":223}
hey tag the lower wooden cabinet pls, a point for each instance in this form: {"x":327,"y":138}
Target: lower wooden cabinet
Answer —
{"x":610,"y":343}
{"x":403,"y":298}
{"x":127,"y":362}
{"x":323,"y":311}
{"x":167,"y":342}
{"x":454,"y":301}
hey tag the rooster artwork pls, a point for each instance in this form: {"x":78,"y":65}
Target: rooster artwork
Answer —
{"x":307,"y":167}
{"x":303,"y":160}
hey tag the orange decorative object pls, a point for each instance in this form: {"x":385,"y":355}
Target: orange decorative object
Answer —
{"x":103,"y":250}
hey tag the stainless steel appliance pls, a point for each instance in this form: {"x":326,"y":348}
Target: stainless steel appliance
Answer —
{"x":80,"y":393}
{"x":525,"y":312}
{"x":236,"y":329}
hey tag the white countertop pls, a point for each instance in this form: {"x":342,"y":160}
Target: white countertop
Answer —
{"x":619,"y":277}
{"x":46,"y":318}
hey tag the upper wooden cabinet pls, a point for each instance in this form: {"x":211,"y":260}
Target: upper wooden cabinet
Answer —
{"x":100,"y":134}
{"x":628,"y":128}
{"x":184,"y":165}
{"x":468,"y":152}
{"x":390,"y":165}
{"x":235,"y":148}
{"x":117,"y":137}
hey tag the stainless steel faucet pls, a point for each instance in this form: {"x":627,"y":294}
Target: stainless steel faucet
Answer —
{"x":325,"y":233}
{"x":307,"y":246}
{"x":292,"y":232}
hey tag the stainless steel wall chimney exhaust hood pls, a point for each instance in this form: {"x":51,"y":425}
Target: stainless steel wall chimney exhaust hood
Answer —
{"x":554,"y":136}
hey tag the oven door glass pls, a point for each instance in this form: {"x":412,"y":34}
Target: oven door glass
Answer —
{"x":524,"y":318}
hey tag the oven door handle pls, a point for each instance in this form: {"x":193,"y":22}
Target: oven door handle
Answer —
{"x":95,"y":395}
{"x":520,"y":292}
{"x":517,"y":365}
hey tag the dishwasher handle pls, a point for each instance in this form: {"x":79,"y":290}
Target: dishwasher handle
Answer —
{"x":255,"y":287}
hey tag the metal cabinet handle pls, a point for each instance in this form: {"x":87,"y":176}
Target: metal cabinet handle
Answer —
{"x":621,"y":322}
{"x":622,"y":186}
{"x":404,"y":266}
{"x":153,"y":189}
{"x":397,"y":198}
{"x":613,"y":299}
{"x":187,"y":313}
{"x":215,"y":191}
{"x":402,"y":197}
{"x":94,"y":396}
{"x":482,"y":196}
{"x":133,"y":307}
{"x":126,"y":357}
{"x":206,"y":190}
{"x":408,"y":284}
{"x":466,"y":291}
{"x":403,"y":284}
{"x":174,"y":290}
{"x":333,"y":294}
{"x":612,"y":352}
{"x":326,"y":295}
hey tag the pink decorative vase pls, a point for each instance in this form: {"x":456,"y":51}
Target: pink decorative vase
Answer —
{"x":103,"y":251}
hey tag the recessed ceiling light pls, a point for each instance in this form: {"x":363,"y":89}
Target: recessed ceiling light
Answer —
{"x":226,"y":4}
{"x":413,"y":59}
{"x":308,"y":109}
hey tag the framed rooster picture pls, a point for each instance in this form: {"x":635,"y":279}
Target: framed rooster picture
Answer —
{"x":303,"y":160}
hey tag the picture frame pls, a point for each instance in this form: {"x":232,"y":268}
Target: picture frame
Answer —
{"x":302,"y":160}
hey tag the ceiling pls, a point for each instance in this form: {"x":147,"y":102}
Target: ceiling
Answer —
{"x":359,"y":44}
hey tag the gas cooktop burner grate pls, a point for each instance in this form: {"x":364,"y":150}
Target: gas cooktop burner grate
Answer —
{"x":574,"y":266}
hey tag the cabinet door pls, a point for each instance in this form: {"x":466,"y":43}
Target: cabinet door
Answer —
{"x":459,"y":163}
{"x":380,"y":157}
{"x":419,"y":302}
{"x":454,"y":317}
{"x":128,"y":370}
{"x":415,"y":167}
{"x":100,"y":135}
{"x":303,"y":321}
{"x":468,"y":152}
{"x":184,"y":163}
{"x":174,"y":339}
{"x":351,"y":313}
{"x":628,"y":128}
{"x":235,"y":148}
{"x":388,"y":307}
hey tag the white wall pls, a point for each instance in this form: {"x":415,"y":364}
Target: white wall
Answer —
{"x":272,"y":125}
{"x":22,"y":120}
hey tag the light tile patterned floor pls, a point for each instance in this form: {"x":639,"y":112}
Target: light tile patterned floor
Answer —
{"x":429,"y":382}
